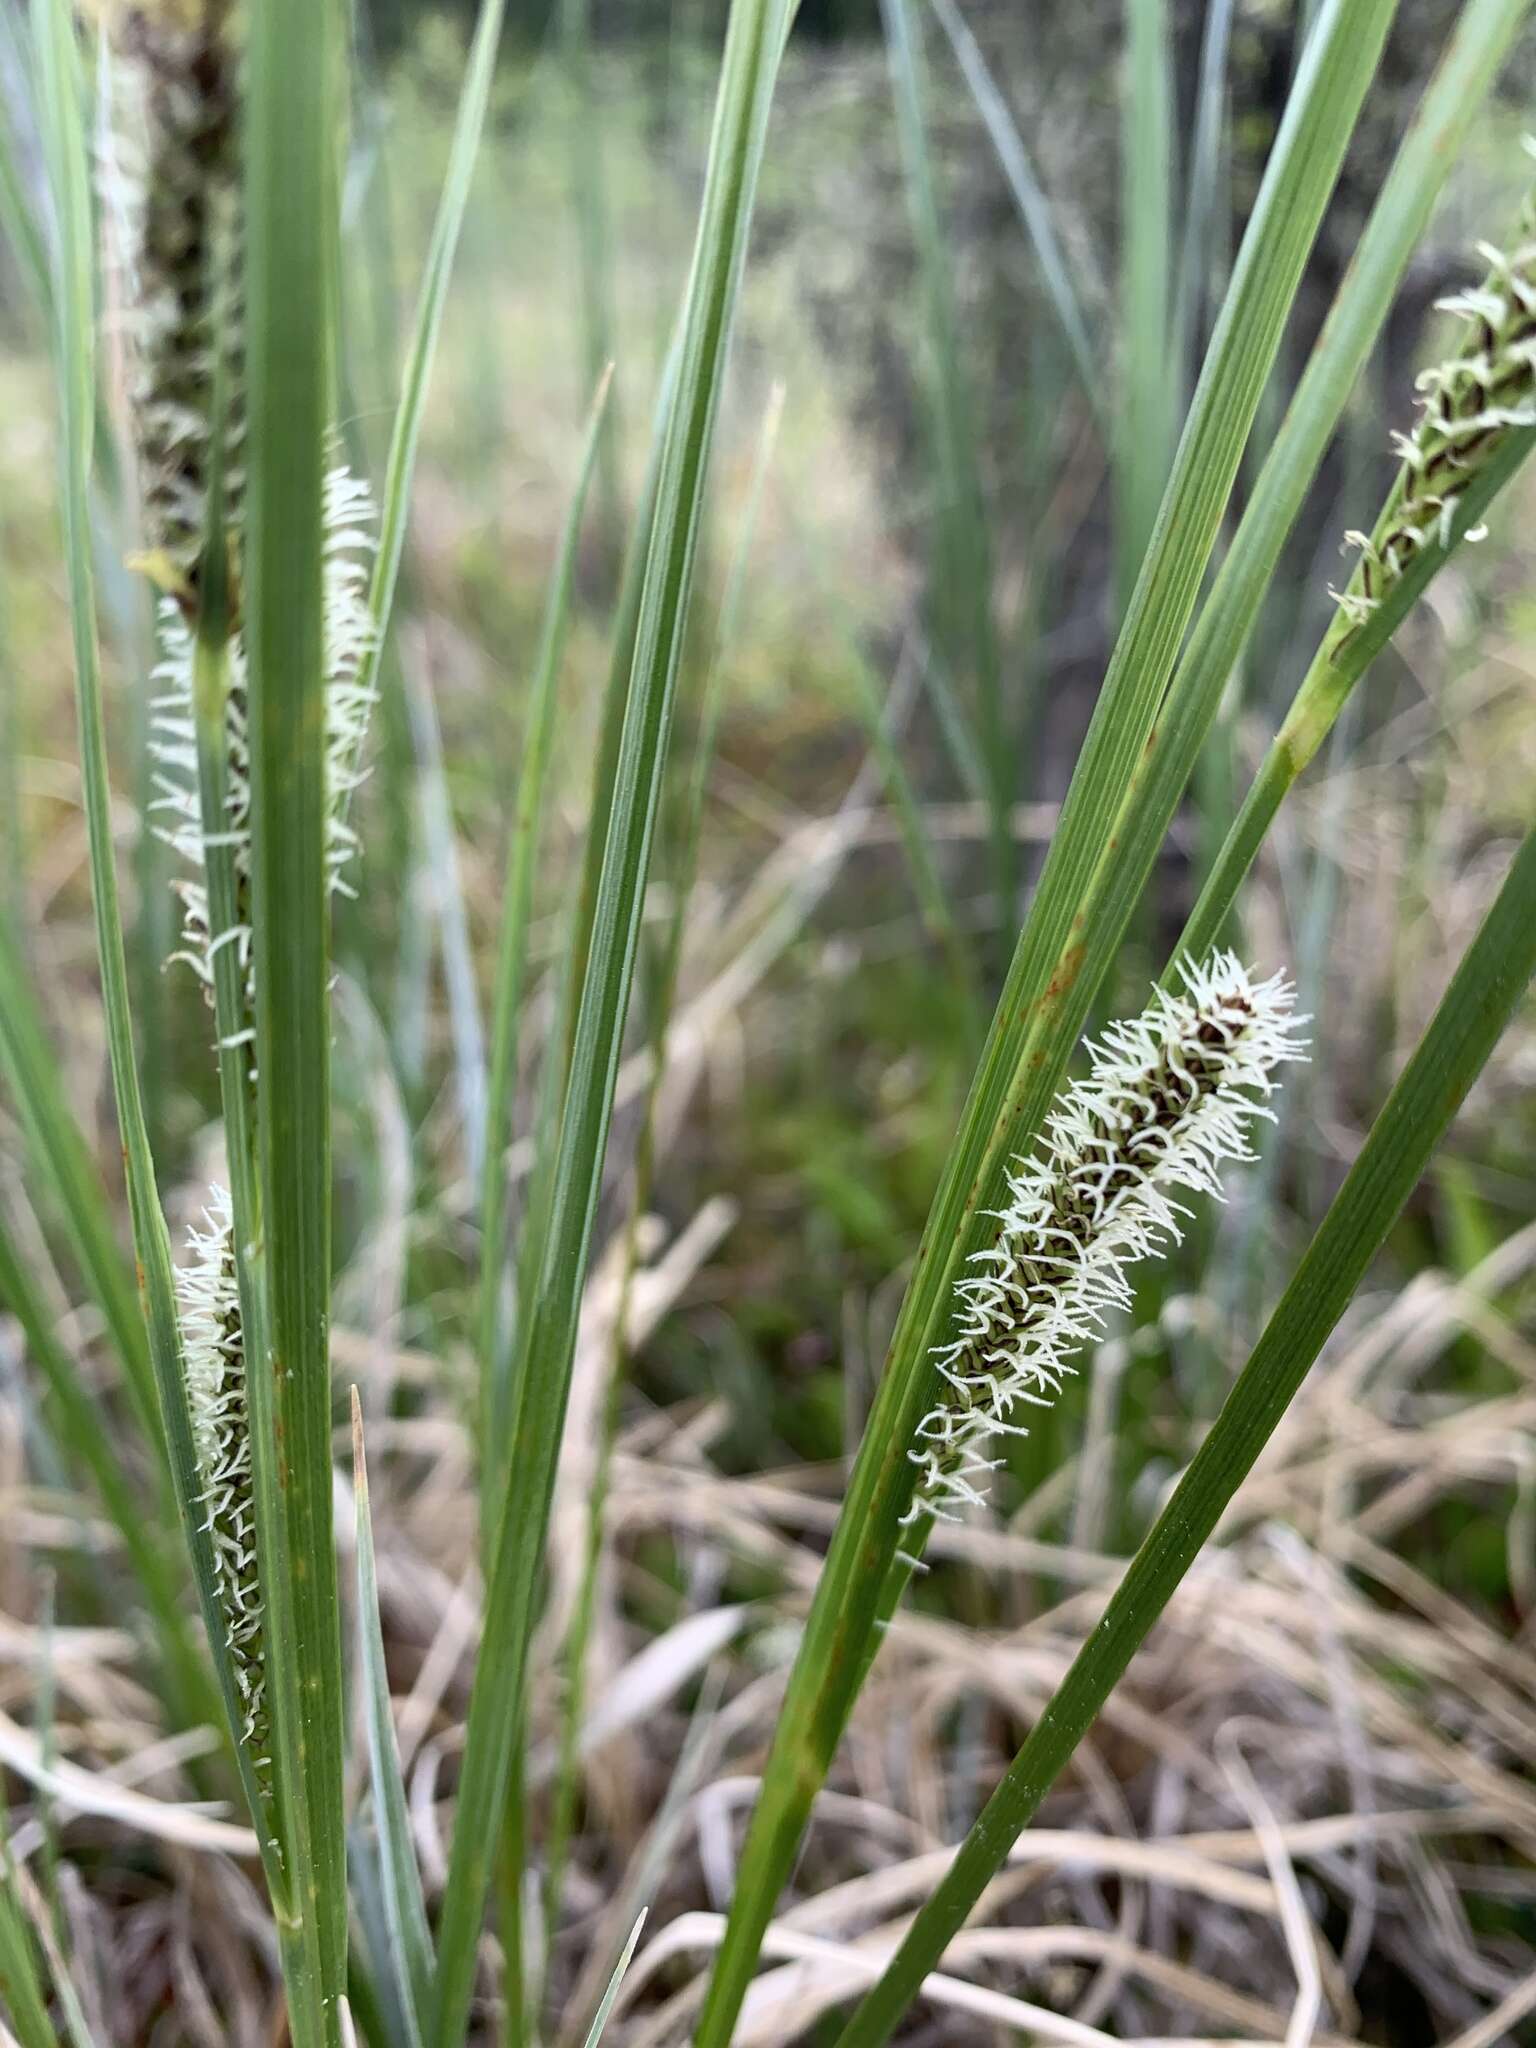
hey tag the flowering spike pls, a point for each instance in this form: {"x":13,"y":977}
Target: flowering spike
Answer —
{"x":348,"y":636}
{"x":1169,"y":1099}
{"x":213,"y":1346}
{"x":1468,"y":407}
{"x":174,"y":189}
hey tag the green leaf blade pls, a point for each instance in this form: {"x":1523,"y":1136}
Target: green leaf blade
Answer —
{"x":754,"y":43}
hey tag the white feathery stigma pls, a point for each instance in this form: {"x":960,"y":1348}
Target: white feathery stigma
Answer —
{"x":213,"y":1349}
{"x":1171,"y":1097}
{"x":348,"y":638}
{"x":1469,"y":406}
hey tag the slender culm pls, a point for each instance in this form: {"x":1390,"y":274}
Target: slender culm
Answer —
{"x":1171,"y":1097}
{"x":213,"y":1349}
{"x":1470,"y":405}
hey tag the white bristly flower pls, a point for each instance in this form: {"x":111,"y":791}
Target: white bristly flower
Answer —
{"x":1171,"y":1097}
{"x":348,"y":630}
{"x":213,"y":1349}
{"x":172,"y":179}
{"x":1469,"y":406}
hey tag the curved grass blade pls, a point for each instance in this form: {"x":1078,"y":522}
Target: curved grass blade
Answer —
{"x":1482,"y":38}
{"x":409,"y":1956}
{"x":594,"y":265}
{"x":1348,"y":647}
{"x":1490,"y":981}
{"x":754,"y":43}
{"x":1337,"y":667}
{"x":621,"y":661}
{"x":1046,"y":995}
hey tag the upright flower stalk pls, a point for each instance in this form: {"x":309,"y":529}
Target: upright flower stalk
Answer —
{"x":178,"y":191}
{"x":1171,"y":1098}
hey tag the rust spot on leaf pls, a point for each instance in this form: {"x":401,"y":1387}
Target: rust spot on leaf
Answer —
{"x":1067,"y":971}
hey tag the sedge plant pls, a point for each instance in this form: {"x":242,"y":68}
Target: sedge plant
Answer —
{"x":275,"y":581}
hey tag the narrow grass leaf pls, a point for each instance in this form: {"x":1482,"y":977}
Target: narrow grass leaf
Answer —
{"x":291,"y":229}
{"x":469,"y":122}
{"x":1397,"y":222}
{"x":22,"y":1999}
{"x":600,"y":2017}
{"x":1199,"y":257}
{"x":754,"y":42}
{"x":684,"y":869}
{"x":962,"y":574}
{"x":1146,"y":420}
{"x":409,"y":1956}
{"x":621,"y":661}
{"x":594,"y":243}
{"x":1032,"y":202}
{"x":1336,"y":669}
{"x":512,"y":957}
